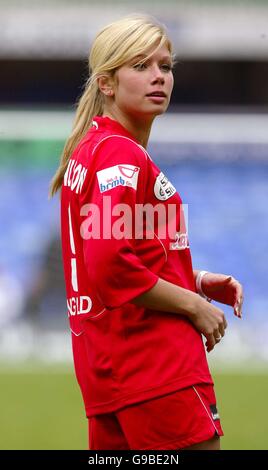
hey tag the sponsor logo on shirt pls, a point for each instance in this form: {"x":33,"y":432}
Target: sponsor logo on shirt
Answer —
{"x":181,"y":242}
{"x":118,"y":175}
{"x":163,"y":189}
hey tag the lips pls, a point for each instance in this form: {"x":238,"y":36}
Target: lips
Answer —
{"x":157,"y":93}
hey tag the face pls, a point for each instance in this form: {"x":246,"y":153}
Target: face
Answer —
{"x":143,"y":90}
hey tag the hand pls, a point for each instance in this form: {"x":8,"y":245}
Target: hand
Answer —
{"x":224,"y":289}
{"x":209,"y":320}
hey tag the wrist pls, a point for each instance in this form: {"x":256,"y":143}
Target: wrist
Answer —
{"x":198,"y":283}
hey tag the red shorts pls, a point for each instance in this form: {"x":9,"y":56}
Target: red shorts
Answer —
{"x":174,"y":421}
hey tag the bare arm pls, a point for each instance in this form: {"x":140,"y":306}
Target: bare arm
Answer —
{"x":168,"y":297}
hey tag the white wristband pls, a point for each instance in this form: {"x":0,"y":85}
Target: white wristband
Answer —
{"x":198,"y":283}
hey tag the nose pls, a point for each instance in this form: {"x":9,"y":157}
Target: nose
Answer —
{"x":157,"y":75}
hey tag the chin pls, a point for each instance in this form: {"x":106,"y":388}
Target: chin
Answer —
{"x":158,"y":112}
{"x":151,"y":113}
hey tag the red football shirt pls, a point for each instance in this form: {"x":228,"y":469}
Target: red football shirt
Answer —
{"x":123,"y":228}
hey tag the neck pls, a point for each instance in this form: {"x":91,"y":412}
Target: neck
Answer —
{"x":140,"y":129}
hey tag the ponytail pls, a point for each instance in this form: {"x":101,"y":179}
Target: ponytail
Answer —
{"x":89,"y":105}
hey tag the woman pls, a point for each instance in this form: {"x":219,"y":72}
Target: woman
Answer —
{"x":137,"y":309}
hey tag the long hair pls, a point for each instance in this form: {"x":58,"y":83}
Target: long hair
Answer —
{"x":114,"y":45}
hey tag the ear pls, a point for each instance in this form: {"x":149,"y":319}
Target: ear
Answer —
{"x":106,"y":85}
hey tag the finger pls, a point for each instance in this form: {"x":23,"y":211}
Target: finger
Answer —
{"x":210,"y":342}
{"x":209,"y":347}
{"x":238,"y":291}
{"x":238,"y":308}
{"x":221,"y":330}
{"x":217,"y":336}
{"x":222,"y":325}
{"x":239,"y":301}
{"x":238,"y":298}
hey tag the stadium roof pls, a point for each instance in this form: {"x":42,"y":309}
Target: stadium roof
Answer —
{"x":65,"y":29}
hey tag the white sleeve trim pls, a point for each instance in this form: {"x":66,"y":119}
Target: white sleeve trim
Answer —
{"x":122,"y":137}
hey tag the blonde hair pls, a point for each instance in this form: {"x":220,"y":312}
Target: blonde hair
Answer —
{"x":114,"y":45}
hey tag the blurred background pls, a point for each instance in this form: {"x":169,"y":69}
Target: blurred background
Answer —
{"x":213,"y":146}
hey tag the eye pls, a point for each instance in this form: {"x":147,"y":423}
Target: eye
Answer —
{"x":140,"y":66}
{"x":166,"y":67}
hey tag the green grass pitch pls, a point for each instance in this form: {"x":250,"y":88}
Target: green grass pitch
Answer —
{"x":41,"y":408}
